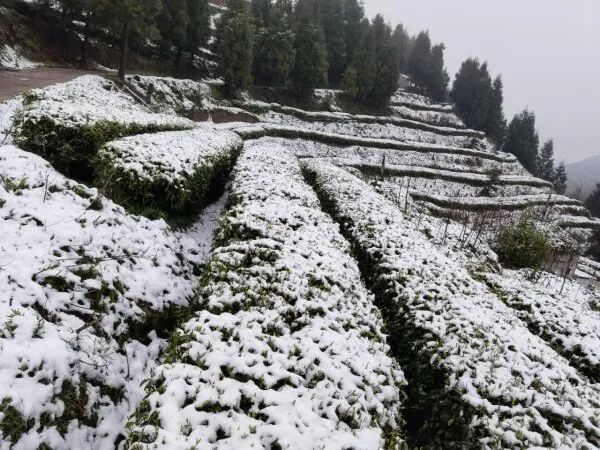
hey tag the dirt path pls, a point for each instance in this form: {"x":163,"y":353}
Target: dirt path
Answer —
{"x":12,"y":83}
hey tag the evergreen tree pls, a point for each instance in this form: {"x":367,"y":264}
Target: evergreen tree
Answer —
{"x":545,"y":162}
{"x":495,"y":125}
{"x":332,"y":12}
{"x":360,"y":77}
{"x":261,"y":12}
{"x":274,"y":47}
{"x":594,"y":251}
{"x":471,"y":93}
{"x":310,"y":67}
{"x":419,"y":62}
{"x":198,"y":29}
{"x":560,"y":178}
{"x":354,"y":14}
{"x":172,"y":22}
{"x":437,"y":83}
{"x":235,"y":50}
{"x":593,"y":201}
{"x":522,"y":139}
{"x":132,"y":19}
{"x":386,"y":63}
{"x":402,"y":41}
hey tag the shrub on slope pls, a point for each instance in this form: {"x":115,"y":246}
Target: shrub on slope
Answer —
{"x":76,"y":275}
{"x":476,"y":376}
{"x":172,"y":170}
{"x":522,"y":245}
{"x":67,"y":123}
{"x":287,"y":349}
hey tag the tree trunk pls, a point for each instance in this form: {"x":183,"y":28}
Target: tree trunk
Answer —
{"x":178,"y":57}
{"x":124,"y":50}
{"x":86,"y":36}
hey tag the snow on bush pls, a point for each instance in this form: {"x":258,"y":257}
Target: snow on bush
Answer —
{"x":172,"y":170}
{"x":10,"y":58}
{"x":286,"y":350}
{"x":562,"y":315}
{"x":78,"y":278}
{"x":475,"y":373}
{"x":67,"y":123}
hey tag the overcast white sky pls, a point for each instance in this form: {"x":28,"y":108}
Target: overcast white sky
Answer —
{"x":548,"y":52}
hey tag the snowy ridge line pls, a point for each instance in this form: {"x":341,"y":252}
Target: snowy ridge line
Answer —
{"x":77,"y":277}
{"x":265,"y":129}
{"x":421,"y":107}
{"x":451,"y":175}
{"x":68,"y":122}
{"x":419,"y":102}
{"x":327,"y":116}
{"x":578,"y":222}
{"x":173,"y":169}
{"x":511,"y":203}
{"x":564,"y":320}
{"x":287,"y":349}
{"x":475,"y":373}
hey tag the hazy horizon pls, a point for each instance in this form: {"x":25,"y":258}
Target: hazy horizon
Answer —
{"x":546,"y":50}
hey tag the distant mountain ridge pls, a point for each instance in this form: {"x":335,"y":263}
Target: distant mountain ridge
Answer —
{"x":583,"y":176}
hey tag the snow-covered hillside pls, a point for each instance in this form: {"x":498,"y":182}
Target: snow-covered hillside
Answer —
{"x":339,"y":291}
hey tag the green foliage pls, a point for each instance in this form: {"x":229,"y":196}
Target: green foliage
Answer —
{"x":403,"y":43}
{"x":172,"y":22}
{"x":332,"y":12}
{"x":594,"y":250}
{"x":310,"y":67}
{"x":235,"y":47}
{"x":350,"y":82}
{"x":437,"y":83}
{"x":522,"y":139}
{"x":545,"y":162}
{"x":560,"y":178}
{"x":419,"y":63}
{"x":13,"y":425}
{"x":198,"y":28}
{"x":354,"y":14}
{"x":522,"y":245}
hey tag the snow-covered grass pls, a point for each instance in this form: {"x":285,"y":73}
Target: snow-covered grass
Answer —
{"x":172,"y":170}
{"x":476,"y":375}
{"x":287,"y":349}
{"x":67,"y":123}
{"x":436,"y":118}
{"x":562,"y":315}
{"x":12,"y":59}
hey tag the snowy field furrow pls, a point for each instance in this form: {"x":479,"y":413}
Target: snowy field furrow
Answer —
{"x":286,"y":350}
{"x":479,"y":374}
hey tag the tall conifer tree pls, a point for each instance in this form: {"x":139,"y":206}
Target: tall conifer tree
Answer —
{"x":522,"y":139}
{"x":437,"y":84}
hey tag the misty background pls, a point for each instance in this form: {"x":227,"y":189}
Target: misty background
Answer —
{"x":546,"y":50}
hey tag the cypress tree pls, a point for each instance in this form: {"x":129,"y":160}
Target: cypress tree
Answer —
{"x":437,"y":84}
{"x":198,"y":29}
{"x":310,"y":67}
{"x":172,"y":22}
{"x":401,"y":40}
{"x":274,"y":47}
{"x":522,"y":139}
{"x":354,"y":14}
{"x":236,"y":47}
{"x":419,"y":62}
{"x":261,"y":12}
{"x":545,"y":162}
{"x":593,"y":201}
{"x":471,"y":93}
{"x":386,"y":63}
{"x":495,"y":125}
{"x":360,"y":77}
{"x":560,"y":178}
{"x":332,"y":12}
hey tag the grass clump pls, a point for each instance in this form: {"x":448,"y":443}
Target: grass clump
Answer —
{"x":522,"y":246}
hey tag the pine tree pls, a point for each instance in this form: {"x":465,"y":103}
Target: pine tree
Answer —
{"x":274,"y":47}
{"x":593,"y":201}
{"x":522,"y":139}
{"x":594,"y":250}
{"x":310,"y":67}
{"x":198,"y":29}
{"x":332,"y":12}
{"x":354,"y":14}
{"x":495,"y":126}
{"x":236,"y":47}
{"x":261,"y":12}
{"x":132,"y":19}
{"x":172,"y":22}
{"x":437,"y":83}
{"x":545,"y":162}
{"x":560,"y":178}
{"x":402,"y":41}
{"x":419,"y":62}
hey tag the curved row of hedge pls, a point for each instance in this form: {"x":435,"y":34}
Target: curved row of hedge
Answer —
{"x":476,"y":375}
{"x":287,"y":349}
